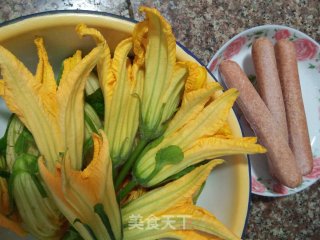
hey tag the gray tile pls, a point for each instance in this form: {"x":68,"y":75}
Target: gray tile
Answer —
{"x":205,"y":25}
{"x":10,"y":9}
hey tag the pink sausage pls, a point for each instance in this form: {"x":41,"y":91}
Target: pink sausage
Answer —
{"x":296,"y":117}
{"x":269,"y":87}
{"x":280,"y":157}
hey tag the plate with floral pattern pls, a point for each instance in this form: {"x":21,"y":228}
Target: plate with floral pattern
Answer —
{"x":308,"y":55}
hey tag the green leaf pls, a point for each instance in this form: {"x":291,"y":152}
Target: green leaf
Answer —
{"x":96,"y":100}
{"x":169,"y":155}
{"x":99,"y":209}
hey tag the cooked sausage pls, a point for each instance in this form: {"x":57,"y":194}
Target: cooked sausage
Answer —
{"x":296,"y":118}
{"x":280,"y":157}
{"x":269,"y":87}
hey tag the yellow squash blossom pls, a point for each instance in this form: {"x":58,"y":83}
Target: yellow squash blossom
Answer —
{"x":87,"y":198}
{"x":121,"y":84}
{"x":189,"y":138}
{"x":155,"y":48}
{"x":39,"y":214}
{"x":174,"y":215}
{"x":54,"y":114}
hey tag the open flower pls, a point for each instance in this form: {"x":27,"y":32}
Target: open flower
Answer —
{"x":87,"y":198}
{"x":174,"y":206}
{"x":191,"y":137}
{"x":54,"y":114}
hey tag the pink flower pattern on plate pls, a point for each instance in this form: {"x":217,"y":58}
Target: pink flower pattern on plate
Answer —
{"x":315,"y":174}
{"x":282,"y":34}
{"x":279,"y":188}
{"x":213,"y":65}
{"x":256,"y":186}
{"x":305,"y":49}
{"x":234,"y":47}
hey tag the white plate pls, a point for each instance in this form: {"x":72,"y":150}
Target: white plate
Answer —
{"x":227,"y":192}
{"x":308,"y":53}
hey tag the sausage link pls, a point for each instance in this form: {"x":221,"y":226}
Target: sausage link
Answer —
{"x":280,"y":157}
{"x":296,"y":117}
{"x":269,"y":87}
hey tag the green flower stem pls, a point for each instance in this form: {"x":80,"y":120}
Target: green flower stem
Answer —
{"x":128,"y":165}
{"x":128,"y":188}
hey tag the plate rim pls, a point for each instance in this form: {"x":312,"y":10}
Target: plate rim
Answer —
{"x":256,"y":28}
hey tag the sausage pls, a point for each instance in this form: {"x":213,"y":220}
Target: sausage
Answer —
{"x":280,"y":157}
{"x":269,"y":87}
{"x":296,"y":117}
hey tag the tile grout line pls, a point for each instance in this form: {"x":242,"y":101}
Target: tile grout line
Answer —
{"x":130,"y":9}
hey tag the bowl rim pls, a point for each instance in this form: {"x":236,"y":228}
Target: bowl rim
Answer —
{"x":131,"y":20}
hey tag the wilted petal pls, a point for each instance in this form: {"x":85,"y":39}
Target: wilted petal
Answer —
{"x":77,"y":193}
{"x":23,"y":96}
{"x":197,"y":77}
{"x":139,"y":36}
{"x":45,"y":76}
{"x":70,"y":97}
{"x":105,"y":75}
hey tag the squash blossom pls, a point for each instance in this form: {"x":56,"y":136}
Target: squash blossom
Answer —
{"x":54,"y":114}
{"x":193,"y":135}
{"x":164,"y":78}
{"x":121,"y":84}
{"x":39,"y":214}
{"x":143,"y":219}
{"x":87,"y":198}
